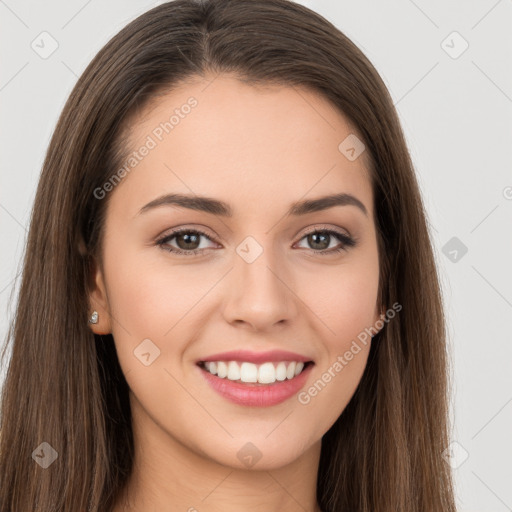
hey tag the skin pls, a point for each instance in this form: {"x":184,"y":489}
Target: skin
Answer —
{"x":258,"y":149}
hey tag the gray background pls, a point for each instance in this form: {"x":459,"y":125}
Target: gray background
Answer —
{"x":455,"y":107}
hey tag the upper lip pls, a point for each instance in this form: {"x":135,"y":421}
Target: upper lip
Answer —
{"x":256,"y":357}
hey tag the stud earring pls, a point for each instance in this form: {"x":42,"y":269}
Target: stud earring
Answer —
{"x":94,"y":318}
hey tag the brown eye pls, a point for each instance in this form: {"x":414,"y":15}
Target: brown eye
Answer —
{"x":320,"y":240}
{"x":187,"y":242}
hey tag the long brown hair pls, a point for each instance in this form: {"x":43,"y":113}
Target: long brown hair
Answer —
{"x":64,"y":385}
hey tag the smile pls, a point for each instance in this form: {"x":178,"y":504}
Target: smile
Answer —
{"x":266,"y":373}
{"x":256,"y":385}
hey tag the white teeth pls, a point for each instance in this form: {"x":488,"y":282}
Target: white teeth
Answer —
{"x":290,"y":372}
{"x":281,"y":371}
{"x":233,"y":371}
{"x":222,"y":369}
{"x":248,"y":372}
{"x":266,"y":373}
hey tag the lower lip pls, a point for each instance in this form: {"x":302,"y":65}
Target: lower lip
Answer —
{"x":257,"y":395}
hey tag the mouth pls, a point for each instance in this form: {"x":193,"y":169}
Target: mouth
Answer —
{"x":256,"y":379}
{"x":248,"y":373}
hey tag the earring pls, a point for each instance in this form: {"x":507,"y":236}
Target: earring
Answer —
{"x":94,"y":318}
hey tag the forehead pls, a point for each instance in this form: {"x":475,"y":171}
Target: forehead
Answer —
{"x":263,"y":145}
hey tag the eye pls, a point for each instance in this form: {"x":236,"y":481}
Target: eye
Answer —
{"x":320,"y":240}
{"x":189,"y":241}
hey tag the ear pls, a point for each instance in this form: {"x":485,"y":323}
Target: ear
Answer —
{"x":98,"y":300}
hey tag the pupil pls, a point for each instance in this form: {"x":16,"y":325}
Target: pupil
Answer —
{"x":188,"y":240}
{"x":314,"y":238}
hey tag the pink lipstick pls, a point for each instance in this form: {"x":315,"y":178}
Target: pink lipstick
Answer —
{"x":256,"y":379}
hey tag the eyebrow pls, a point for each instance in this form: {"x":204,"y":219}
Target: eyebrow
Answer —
{"x":216,"y":207}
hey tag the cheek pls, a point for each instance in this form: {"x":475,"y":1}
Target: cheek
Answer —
{"x":343,"y":298}
{"x":344,"y":303}
{"x":150,"y":297}
{"x":349,"y":310}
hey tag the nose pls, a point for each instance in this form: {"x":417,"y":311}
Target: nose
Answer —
{"x":260,"y":294}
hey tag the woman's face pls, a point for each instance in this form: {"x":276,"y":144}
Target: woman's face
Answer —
{"x":260,"y":277}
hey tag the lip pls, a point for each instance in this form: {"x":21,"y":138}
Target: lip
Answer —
{"x":256,"y":357}
{"x":253,"y":394}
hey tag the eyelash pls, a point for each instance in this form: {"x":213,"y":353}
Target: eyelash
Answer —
{"x":346,"y":242}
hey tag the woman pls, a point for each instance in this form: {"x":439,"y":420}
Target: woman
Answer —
{"x":229,"y":295}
